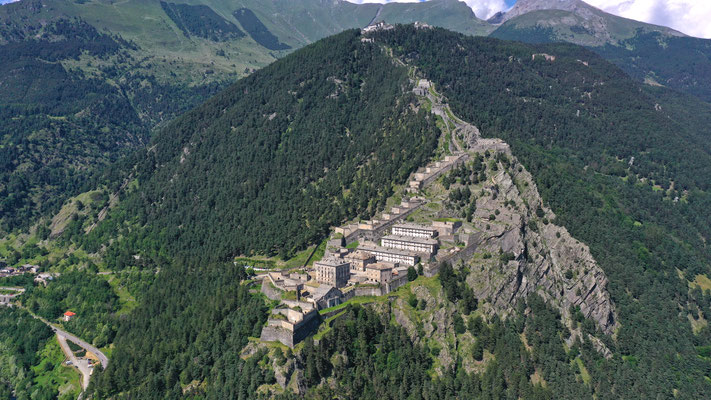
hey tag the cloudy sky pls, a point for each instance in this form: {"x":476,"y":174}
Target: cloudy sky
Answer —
{"x":692,"y":17}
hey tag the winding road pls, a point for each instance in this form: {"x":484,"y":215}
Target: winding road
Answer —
{"x":84,"y":345}
{"x":81,"y":365}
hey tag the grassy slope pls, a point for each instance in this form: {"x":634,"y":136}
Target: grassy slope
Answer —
{"x":52,"y":373}
{"x":169,"y":53}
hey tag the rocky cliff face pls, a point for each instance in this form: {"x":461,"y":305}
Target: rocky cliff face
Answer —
{"x":523,"y":251}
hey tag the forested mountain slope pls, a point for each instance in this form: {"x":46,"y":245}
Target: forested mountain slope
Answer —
{"x":271,"y":163}
{"x":86,"y":81}
{"x":625,"y":169}
{"x":71,"y":103}
{"x":615,"y":162}
{"x":110,"y":72}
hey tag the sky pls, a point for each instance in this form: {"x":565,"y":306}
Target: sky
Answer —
{"x":692,"y":17}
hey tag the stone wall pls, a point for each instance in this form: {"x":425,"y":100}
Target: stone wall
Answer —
{"x":464,"y":254}
{"x":277,"y":334}
{"x":375,"y":234}
{"x":363,"y":291}
{"x":272,"y":333}
{"x":427,"y":181}
{"x":269,"y":290}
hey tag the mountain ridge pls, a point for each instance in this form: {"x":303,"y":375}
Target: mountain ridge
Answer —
{"x":571,"y":118}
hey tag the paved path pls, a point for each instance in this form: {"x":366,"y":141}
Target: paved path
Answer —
{"x":86,"y":346}
{"x":458,"y":128}
{"x":14,"y":289}
{"x":68,"y":336}
{"x":81,"y":365}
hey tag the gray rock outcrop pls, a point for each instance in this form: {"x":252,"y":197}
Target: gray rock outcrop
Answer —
{"x":531,"y":254}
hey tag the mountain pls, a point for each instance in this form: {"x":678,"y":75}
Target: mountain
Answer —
{"x":650,"y":53}
{"x":87,"y":81}
{"x":577,"y":22}
{"x":329,"y":133}
{"x":329,"y":130}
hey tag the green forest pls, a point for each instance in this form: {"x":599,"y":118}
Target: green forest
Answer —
{"x":256,"y":29}
{"x":643,"y":220}
{"x":62,"y":125}
{"x":29,"y":366}
{"x":678,"y":62}
{"x":325,"y":135}
{"x":275,"y":160}
{"x":201,"y":21}
{"x":203,"y":315}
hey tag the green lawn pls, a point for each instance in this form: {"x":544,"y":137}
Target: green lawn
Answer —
{"x":355,"y":300}
{"x":448,"y":219}
{"x":301,"y":257}
{"x":297,"y":261}
{"x":703,"y":282}
{"x":52,"y":373}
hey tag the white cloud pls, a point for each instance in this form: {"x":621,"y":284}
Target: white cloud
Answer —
{"x":692,"y":17}
{"x":486,"y":9}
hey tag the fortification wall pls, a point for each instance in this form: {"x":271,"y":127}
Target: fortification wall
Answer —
{"x":363,"y":291}
{"x":270,"y":291}
{"x":427,"y":181}
{"x":277,"y":334}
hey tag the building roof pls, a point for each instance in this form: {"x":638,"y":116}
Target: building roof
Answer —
{"x":411,"y":239}
{"x":332,"y":262}
{"x":69,"y":314}
{"x":321,"y":291}
{"x":388,"y":250}
{"x":414,"y":226}
{"x":380,"y":266}
{"x":359,"y":255}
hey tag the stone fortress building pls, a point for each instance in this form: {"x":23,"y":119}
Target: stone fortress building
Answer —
{"x":291,"y":322}
{"x":334,"y":272}
{"x":369,"y":258}
{"x":413,"y":244}
{"x":414,"y":230}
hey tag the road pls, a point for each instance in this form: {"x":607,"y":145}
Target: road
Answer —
{"x":82,"y":365}
{"x":86,"y":346}
{"x":467,"y":133}
{"x":68,"y":336}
